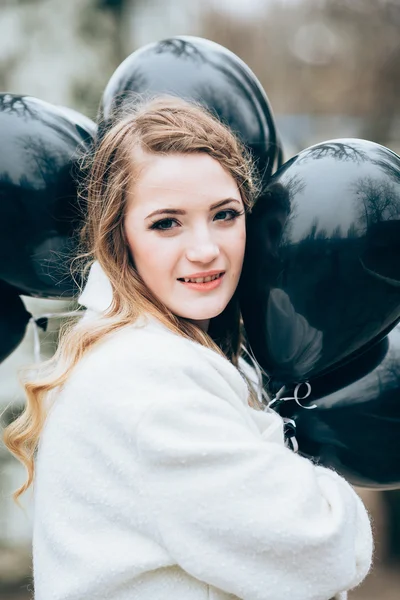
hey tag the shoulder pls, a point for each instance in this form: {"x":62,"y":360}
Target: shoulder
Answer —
{"x":150,"y":355}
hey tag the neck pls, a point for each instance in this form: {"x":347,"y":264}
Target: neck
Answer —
{"x":204,"y":324}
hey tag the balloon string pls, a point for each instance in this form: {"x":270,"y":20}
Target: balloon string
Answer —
{"x":69,"y":313}
{"x":261,"y":393}
{"x":279,"y":399}
{"x":290,"y":424}
{"x":37,"y":323}
{"x":36,"y":340}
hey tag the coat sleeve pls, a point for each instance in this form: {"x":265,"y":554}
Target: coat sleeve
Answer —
{"x":244,"y":513}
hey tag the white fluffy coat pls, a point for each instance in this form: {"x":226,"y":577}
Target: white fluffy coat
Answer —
{"x":156,"y":481}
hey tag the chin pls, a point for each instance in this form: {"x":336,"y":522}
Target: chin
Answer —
{"x":201,"y":315}
{"x":200,"y":310}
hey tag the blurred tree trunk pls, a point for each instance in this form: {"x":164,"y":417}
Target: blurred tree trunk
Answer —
{"x":117,"y":10}
{"x":386,"y":94}
{"x":373,"y":28}
{"x":392,"y":502}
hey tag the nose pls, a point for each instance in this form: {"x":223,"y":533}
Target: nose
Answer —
{"x":202,"y":247}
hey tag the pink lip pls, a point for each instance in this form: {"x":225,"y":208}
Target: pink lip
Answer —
{"x":204,"y":287}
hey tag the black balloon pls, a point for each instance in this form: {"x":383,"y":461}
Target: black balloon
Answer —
{"x":356,"y":430}
{"x":321,"y":277}
{"x":13,"y":320}
{"x":39,"y":210}
{"x":350,"y":371}
{"x":203,"y":71}
{"x":280,"y":156}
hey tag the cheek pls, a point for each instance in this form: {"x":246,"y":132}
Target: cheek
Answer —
{"x":238,"y":243}
{"x":153,"y":257}
{"x":242,"y":236}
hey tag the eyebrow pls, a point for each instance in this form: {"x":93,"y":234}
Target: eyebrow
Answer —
{"x":178,"y":211}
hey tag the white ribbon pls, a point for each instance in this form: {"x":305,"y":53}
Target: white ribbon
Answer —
{"x":261,"y":393}
{"x":295,"y":397}
{"x":36,"y":327}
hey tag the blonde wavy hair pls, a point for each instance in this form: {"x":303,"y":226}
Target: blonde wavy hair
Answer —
{"x":161,"y":125}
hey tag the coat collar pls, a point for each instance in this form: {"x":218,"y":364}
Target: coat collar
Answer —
{"x":97,"y":297}
{"x":97,"y":294}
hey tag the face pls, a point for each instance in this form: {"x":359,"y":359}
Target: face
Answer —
{"x":185,"y":227}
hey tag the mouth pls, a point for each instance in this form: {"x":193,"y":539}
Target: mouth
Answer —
{"x":201,"y":279}
{"x":203,"y":283}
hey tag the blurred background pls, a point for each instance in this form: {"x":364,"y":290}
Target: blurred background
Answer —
{"x":331,"y":69}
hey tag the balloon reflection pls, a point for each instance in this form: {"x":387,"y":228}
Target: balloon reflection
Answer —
{"x":203,"y":71}
{"x":39,"y":209}
{"x":326,"y":233}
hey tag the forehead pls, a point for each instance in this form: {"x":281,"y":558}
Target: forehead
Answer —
{"x":192,"y":178}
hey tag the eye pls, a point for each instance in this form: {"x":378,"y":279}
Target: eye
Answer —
{"x":164,"y":224}
{"x":227,"y":215}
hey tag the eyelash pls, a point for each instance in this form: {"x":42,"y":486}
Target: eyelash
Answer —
{"x":234,"y":215}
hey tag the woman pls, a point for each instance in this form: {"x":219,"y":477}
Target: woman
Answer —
{"x":155,"y":476}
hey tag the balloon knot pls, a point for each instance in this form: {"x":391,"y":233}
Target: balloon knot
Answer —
{"x":279,"y":399}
